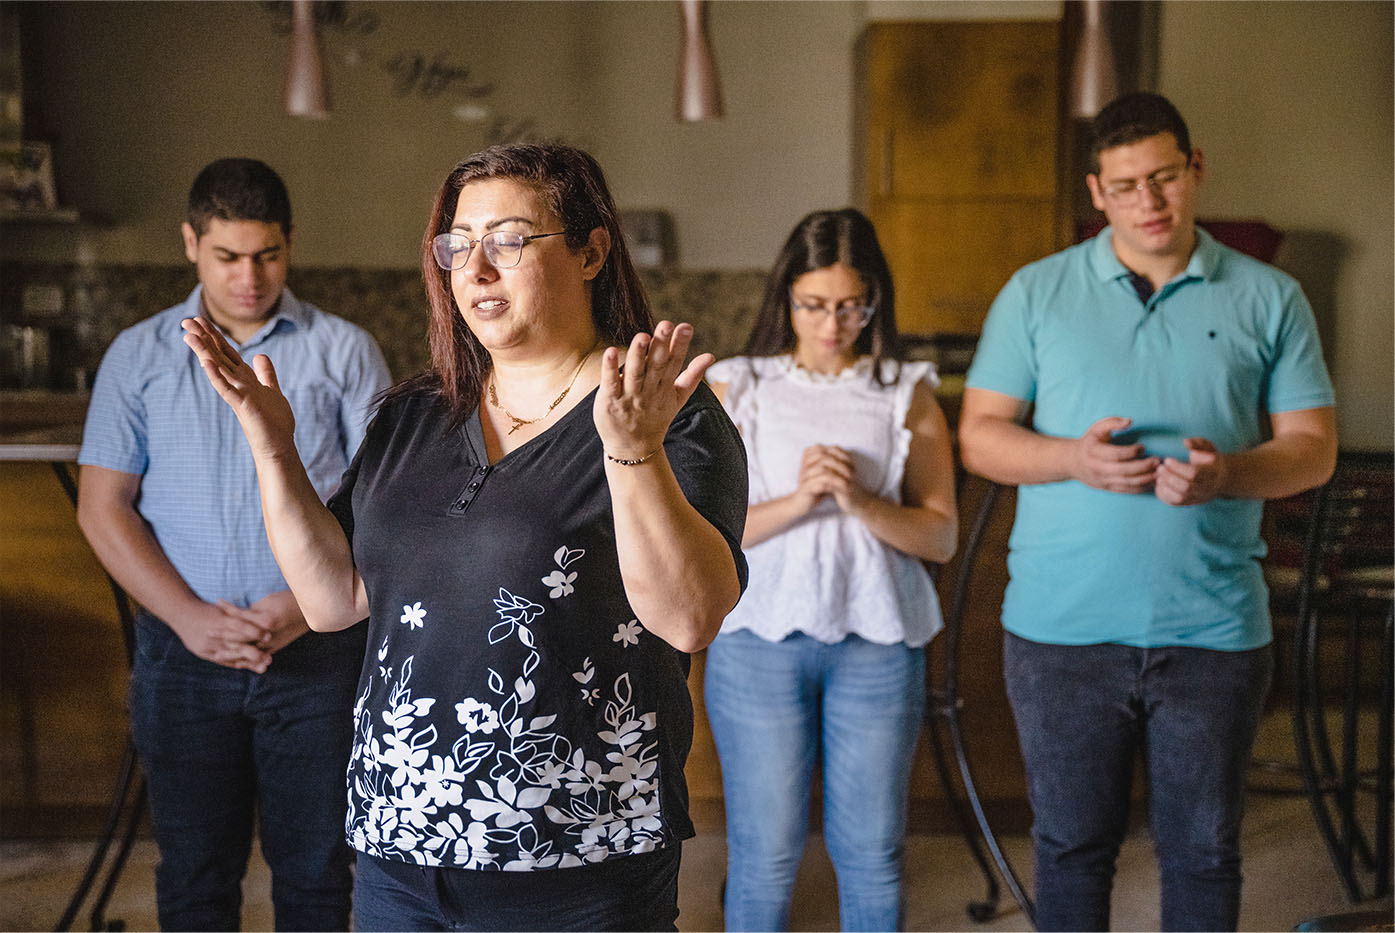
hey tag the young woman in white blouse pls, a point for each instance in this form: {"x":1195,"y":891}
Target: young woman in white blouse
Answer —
{"x":851,"y":489}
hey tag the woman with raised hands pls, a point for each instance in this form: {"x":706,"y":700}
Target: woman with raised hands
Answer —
{"x":540,"y":529}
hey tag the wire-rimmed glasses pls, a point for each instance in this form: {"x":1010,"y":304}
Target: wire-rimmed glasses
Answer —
{"x":1128,"y":191}
{"x":847,"y":315}
{"x":503,"y":248}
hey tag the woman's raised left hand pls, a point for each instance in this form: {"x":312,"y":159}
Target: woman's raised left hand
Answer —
{"x":634,"y":409}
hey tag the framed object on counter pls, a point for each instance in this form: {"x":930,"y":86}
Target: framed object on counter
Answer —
{"x":26,"y":178}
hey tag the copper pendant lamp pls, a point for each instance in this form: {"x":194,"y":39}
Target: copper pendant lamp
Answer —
{"x":699,"y":94}
{"x":1094,"y":79}
{"x":307,"y":86}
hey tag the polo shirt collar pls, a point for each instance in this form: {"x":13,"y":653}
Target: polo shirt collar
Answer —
{"x":1206,"y":258}
{"x":290,"y":313}
{"x":1204,"y":261}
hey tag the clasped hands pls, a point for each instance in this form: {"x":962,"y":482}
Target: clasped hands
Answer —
{"x":828,"y":471}
{"x":1097,"y":462}
{"x":245,"y":638}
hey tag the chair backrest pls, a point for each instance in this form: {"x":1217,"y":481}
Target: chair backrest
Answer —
{"x":1252,"y":237}
{"x":1350,"y":546}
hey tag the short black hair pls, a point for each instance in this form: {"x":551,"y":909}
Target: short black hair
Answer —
{"x":1132,"y":117}
{"x":239,"y":189}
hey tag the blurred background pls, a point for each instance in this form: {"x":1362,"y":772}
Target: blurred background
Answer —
{"x":956,"y":124}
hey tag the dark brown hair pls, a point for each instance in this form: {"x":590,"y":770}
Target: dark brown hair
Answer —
{"x":818,"y":241}
{"x":1133,"y":117}
{"x":570,"y":183}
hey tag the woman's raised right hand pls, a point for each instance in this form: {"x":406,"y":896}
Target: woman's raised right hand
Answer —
{"x":251,"y":391}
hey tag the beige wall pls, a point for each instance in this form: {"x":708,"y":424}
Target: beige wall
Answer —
{"x":1292,"y":101}
{"x":144,"y":93}
{"x":1292,"y":104}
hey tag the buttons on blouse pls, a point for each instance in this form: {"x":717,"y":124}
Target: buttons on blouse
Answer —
{"x":472,"y":489}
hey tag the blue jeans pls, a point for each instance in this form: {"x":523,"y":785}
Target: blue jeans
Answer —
{"x":773,"y":706}
{"x":631,"y":892}
{"x":1083,"y":712}
{"x":220,"y":746}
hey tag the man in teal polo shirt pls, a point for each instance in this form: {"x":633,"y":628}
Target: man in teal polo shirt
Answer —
{"x":1136,"y":614}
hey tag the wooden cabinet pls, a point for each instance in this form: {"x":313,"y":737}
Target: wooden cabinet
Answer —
{"x":961,"y":140}
{"x":960,"y":160}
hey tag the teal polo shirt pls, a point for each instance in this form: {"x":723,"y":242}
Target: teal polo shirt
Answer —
{"x":1224,"y":341}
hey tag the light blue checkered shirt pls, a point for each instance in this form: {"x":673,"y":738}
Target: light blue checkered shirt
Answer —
{"x":153,"y":413}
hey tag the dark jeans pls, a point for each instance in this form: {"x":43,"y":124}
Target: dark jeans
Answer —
{"x":630,"y":892}
{"x":219,"y":746}
{"x":1083,"y":712}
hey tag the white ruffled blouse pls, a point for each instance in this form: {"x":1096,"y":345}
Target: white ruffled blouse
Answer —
{"x":827,"y":576}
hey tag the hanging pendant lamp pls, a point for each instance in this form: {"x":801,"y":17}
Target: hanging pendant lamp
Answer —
{"x":307,"y":86}
{"x":699,"y":94}
{"x":1094,"y":80}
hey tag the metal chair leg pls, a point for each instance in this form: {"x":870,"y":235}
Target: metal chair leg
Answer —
{"x":1384,"y":764}
{"x":953,"y":633}
{"x":98,"y":917}
{"x":115,"y":813}
{"x":941,"y":706}
{"x":122,"y":800}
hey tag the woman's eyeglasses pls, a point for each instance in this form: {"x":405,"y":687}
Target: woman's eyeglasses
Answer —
{"x":502,"y":248}
{"x":847,"y":315}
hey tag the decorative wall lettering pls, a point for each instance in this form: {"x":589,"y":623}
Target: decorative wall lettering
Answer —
{"x":417,"y":73}
{"x":508,"y":129}
{"x":413,"y":74}
{"x":329,"y":15}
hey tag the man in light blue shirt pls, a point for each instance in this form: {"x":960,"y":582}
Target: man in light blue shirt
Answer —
{"x":1176,"y":385}
{"x":239,"y":714}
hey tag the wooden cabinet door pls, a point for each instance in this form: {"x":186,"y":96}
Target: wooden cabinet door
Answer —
{"x":960,"y":154}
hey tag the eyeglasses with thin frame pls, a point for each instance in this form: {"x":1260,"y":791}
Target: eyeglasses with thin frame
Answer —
{"x":1129,"y":191}
{"x":847,"y":315}
{"x":503,"y":248}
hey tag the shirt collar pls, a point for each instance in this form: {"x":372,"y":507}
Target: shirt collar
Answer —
{"x":1206,"y":258}
{"x":289,"y":310}
{"x":1204,"y":261}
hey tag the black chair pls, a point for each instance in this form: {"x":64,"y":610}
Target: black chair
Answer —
{"x":1347,"y":589}
{"x":128,"y":796}
{"x":943,"y":706}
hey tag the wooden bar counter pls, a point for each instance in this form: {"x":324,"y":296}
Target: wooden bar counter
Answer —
{"x":63,"y":678}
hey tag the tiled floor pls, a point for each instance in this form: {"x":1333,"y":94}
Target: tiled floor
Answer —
{"x":1288,"y":879}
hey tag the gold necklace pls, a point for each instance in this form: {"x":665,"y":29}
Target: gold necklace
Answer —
{"x":520,"y":422}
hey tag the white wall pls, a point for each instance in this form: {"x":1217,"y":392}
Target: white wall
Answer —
{"x":1292,"y":104}
{"x":1291,"y":100}
{"x":145,"y":93}
{"x":737,"y":186}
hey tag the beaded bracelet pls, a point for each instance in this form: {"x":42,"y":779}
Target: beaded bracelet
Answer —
{"x":624,"y":462}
